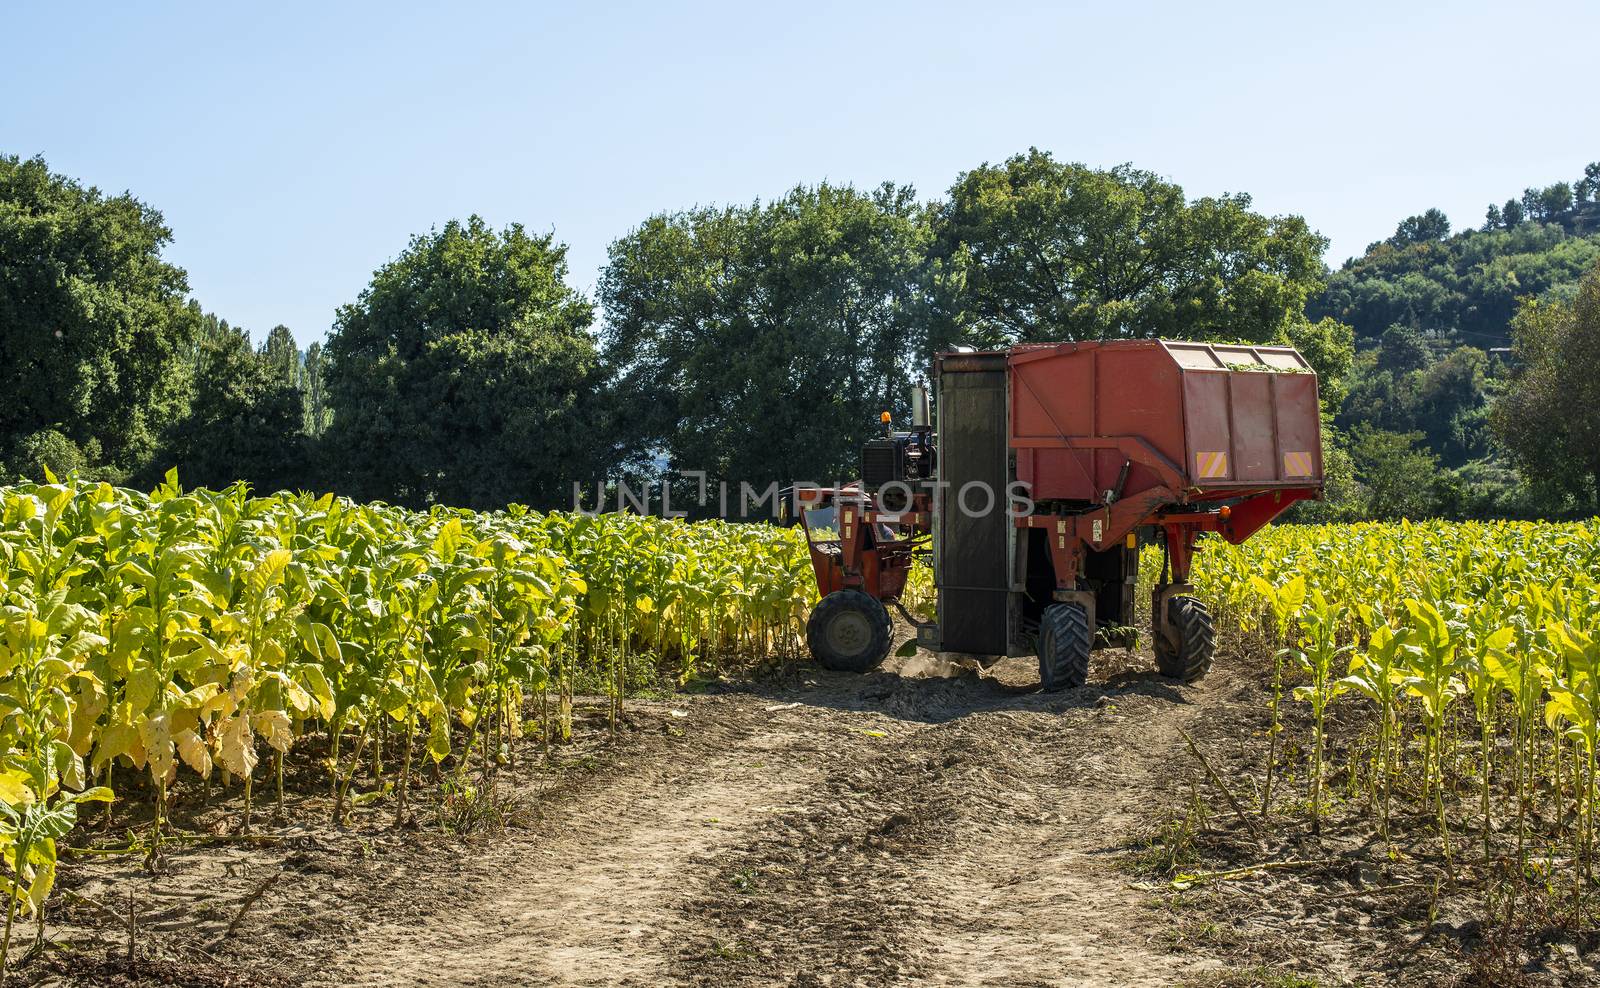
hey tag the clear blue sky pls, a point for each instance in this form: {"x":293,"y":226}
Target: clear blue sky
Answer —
{"x":294,"y":147}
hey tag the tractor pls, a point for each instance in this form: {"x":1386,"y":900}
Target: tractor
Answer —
{"x":1050,"y":465}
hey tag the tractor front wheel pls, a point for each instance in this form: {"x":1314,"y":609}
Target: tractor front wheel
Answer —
{"x":1064,"y":643}
{"x":849,"y":631}
{"x":1196,"y":641}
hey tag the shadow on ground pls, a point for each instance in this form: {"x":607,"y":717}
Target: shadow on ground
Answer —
{"x":936,"y":688}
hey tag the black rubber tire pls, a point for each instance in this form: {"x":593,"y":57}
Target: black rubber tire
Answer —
{"x":1197,"y":641}
{"x":1064,"y":643}
{"x":849,"y":631}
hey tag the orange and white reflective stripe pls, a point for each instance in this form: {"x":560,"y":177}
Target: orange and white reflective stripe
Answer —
{"x":1297,"y":464}
{"x":1211,"y":465}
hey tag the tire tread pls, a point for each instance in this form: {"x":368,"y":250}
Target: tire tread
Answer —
{"x":1197,"y":641}
{"x":833,"y":603}
{"x":1064,"y":644}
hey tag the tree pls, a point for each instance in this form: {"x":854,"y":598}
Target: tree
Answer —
{"x":93,"y":323}
{"x":1049,"y":251}
{"x":1451,"y":404}
{"x":1403,"y":349}
{"x":1329,"y":347}
{"x":1555,"y":201}
{"x":1492,"y":219}
{"x":1588,"y":187}
{"x":759,"y":343}
{"x":1397,"y":476}
{"x":1513,"y":213}
{"x":317,"y":411}
{"x":1429,"y":226}
{"x":281,"y":356}
{"x":1469,"y":283}
{"x":463,"y":373}
{"x":1549,"y":414}
{"x":244,"y":422}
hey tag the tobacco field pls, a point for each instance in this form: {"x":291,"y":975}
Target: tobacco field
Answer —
{"x":190,"y":633}
{"x":1476,"y":649}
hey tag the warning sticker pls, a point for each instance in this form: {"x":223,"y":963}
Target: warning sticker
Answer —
{"x":1211,"y":465}
{"x":1297,"y":464}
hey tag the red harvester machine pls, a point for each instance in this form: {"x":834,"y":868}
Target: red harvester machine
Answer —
{"x":1050,"y":463}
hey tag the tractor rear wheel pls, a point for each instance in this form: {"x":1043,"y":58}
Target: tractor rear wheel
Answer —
{"x":849,"y":631}
{"x":1197,"y":641}
{"x":1064,"y":643}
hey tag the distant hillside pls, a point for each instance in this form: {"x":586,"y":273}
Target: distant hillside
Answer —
{"x":1425,"y":305}
{"x":1467,"y":284}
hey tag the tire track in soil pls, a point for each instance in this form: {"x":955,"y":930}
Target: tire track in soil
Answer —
{"x":831,"y":886}
{"x":920,"y":825}
{"x":974,"y":844}
{"x":1038,"y":898}
{"x":580,"y":900}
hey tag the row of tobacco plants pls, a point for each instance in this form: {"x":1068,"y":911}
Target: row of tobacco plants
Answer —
{"x":1476,"y":649}
{"x":206,"y":632}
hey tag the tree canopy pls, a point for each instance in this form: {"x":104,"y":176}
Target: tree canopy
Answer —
{"x":462,"y":374}
{"x":93,"y":322}
{"x":1046,"y":250}
{"x":246,"y":416}
{"x":758,"y":343}
{"x":1549,"y":417}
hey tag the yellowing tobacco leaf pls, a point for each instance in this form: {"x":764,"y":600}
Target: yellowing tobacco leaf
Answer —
{"x":155,"y":732}
{"x":237,"y":751}
{"x":192,"y":749}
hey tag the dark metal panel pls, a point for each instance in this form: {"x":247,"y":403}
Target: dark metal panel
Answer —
{"x":974,"y":532}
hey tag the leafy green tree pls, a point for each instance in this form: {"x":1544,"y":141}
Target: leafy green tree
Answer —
{"x":1550,"y":204}
{"x":758,"y":343}
{"x":245,"y":421}
{"x":1329,"y":347}
{"x":1396,"y":475}
{"x":1411,"y":385}
{"x":1452,"y":405}
{"x":316,"y":387}
{"x":46,"y":450}
{"x":1425,"y":228}
{"x":93,"y":323}
{"x":1588,"y":187}
{"x":1549,"y":415}
{"x":1404,"y":349}
{"x":1045,"y":250}
{"x":281,"y":356}
{"x":463,"y":375}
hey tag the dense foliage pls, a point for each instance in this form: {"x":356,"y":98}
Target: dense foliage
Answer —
{"x":1477,"y":648}
{"x":1046,"y":250}
{"x":1466,"y":285}
{"x":93,"y":323}
{"x":1549,"y":418}
{"x":246,"y":418}
{"x":461,"y":375}
{"x":758,"y":342}
{"x":185,"y":633}
{"x":1434,"y":313}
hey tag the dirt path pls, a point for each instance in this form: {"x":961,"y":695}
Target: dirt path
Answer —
{"x":922,"y":825}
